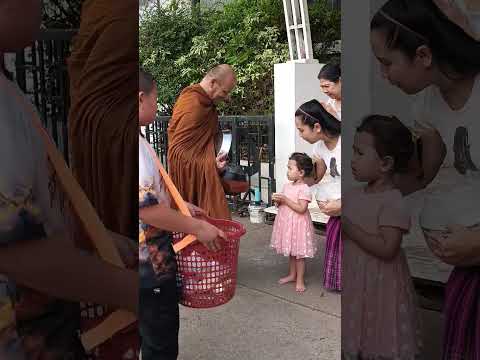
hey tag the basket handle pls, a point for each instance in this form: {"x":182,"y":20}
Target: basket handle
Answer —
{"x":178,"y":200}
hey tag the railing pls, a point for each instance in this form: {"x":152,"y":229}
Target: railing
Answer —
{"x":41,"y":72}
{"x":253,"y":148}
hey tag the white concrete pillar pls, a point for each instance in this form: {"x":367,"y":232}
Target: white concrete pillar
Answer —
{"x":294,"y":84}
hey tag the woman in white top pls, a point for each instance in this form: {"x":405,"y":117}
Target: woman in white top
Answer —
{"x":319,"y":127}
{"x":422,"y":52}
{"x":331,"y":85}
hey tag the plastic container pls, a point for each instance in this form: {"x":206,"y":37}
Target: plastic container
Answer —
{"x":257,"y":213}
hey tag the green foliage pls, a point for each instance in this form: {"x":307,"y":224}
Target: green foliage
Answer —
{"x":61,"y":14}
{"x":179,"y":44}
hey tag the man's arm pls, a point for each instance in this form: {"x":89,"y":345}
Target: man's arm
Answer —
{"x":168,"y":219}
{"x":54,"y":267}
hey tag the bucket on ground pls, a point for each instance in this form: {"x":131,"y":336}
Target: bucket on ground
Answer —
{"x":257,"y":213}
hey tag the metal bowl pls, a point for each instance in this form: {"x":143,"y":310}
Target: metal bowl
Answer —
{"x":223,"y":142}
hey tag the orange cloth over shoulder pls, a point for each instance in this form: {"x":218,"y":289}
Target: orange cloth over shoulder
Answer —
{"x":103,"y":136}
{"x":191,"y":152}
{"x":103,"y":117}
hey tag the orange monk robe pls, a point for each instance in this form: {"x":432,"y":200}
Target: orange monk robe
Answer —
{"x":191,"y":152}
{"x":103,"y":117}
{"x":103,"y":134}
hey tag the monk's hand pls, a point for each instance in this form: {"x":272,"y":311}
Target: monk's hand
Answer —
{"x":221,"y":161}
{"x":196,"y":211}
{"x":210,"y":236}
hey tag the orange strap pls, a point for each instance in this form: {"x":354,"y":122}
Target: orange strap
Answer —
{"x":178,"y":200}
{"x":94,"y":227}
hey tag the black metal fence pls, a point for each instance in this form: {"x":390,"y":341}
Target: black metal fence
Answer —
{"x":41,"y":72}
{"x":253,"y":147}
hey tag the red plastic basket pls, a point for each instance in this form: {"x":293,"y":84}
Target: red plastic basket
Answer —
{"x":207,"y":278}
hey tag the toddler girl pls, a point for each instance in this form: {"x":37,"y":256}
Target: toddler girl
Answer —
{"x":293,"y":232}
{"x":379,"y":320}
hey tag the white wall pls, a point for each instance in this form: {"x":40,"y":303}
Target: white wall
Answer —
{"x":294,"y":84}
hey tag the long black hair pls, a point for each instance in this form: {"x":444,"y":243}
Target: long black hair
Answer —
{"x":312,"y":112}
{"x":409,"y":24}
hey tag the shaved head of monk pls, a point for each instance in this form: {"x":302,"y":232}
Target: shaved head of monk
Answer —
{"x":219,"y":83}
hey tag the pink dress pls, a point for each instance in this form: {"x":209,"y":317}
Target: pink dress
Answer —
{"x":293,"y":233}
{"x":379,"y":320}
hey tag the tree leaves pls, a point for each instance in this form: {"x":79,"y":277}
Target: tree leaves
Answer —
{"x":179,"y":45}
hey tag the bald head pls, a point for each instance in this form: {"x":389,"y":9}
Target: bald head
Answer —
{"x":219,"y":82}
{"x":221,"y":72}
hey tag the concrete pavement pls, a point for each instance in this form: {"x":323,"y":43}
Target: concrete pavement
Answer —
{"x":265,"y":320}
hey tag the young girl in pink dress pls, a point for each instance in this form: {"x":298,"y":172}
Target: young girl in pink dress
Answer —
{"x":293,"y":232}
{"x":379,"y":320}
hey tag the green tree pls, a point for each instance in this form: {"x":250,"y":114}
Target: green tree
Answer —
{"x":62,"y":14}
{"x":178,"y":45}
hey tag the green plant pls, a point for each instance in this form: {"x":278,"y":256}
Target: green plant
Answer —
{"x":61,"y":14}
{"x":179,"y":44}
{"x":166,"y":34}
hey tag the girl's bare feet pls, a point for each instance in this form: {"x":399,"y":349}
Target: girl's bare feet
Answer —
{"x":300,"y":287}
{"x":287,"y":279}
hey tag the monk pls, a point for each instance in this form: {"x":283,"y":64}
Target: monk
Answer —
{"x":193,"y":165}
{"x":103,"y":124}
{"x":103,"y":135}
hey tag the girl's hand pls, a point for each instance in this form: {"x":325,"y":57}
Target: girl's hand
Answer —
{"x":331,"y":207}
{"x":196,"y":211}
{"x":280,"y":199}
{"x":459,"y":248}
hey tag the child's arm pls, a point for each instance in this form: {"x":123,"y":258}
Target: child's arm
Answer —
{"x":53,"y":266}
{"x":300,"y":207}
{"x":168,"y":219}
{"x":385,"y":245}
